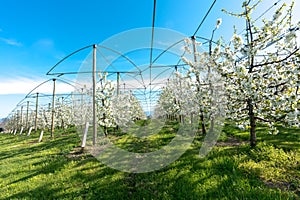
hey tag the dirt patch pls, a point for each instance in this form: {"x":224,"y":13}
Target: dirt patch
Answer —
{"x":77,"y":154}
{"x":284,"y":186}
{"x":33,"y":141}
{"x":231,"y":141}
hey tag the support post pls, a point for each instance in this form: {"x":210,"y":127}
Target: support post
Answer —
{"x":21,"y":131}
{"x":27,"y":115}
{"x":17,"y":124}
{"x":29,"y":131}
{"x":36,"y":111}
{"x":21,"y":117}
{"x":81,"y":109}
{"x":118,"y":83}
{"x":41,"y":136}
{"x":61,"y":116}
{"x":94,"y":95}
{"x":53,"y":109}
{"x":85,"y":131}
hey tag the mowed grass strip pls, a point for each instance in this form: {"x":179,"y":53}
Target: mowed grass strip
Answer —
{"x":54,"y":169}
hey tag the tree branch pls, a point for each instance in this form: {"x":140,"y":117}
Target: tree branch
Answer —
{"x":278,"y":85}
{"x":277,"y":61}
{"x":262,"y":119}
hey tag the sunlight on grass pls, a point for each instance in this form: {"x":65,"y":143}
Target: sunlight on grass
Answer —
{"x":55,"y":169}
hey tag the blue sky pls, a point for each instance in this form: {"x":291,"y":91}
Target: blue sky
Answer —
{"x":36,"y":34}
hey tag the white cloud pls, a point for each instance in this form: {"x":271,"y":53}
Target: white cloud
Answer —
{"x":21,"y":85}
{"x":12,"y":42}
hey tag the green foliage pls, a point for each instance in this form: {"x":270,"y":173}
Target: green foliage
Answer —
{"x":274,"y":166}
{"x":56,"y":169}
{"x":287,"y":138}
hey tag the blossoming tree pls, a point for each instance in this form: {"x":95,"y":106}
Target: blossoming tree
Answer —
{"x":261,"y":68}
{"x":207,"y":80}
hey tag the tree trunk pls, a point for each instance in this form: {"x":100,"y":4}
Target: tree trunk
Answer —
{"x":202,"y":124}
{"x":62,"y":124}
{"x":105,"y":131}
{"x":252,"y":124}
{"x":104,"y":117}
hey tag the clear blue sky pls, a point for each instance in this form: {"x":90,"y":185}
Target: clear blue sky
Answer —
{"x":36,"y":34}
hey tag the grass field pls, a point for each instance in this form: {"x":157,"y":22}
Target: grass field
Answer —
{"x":55,"y":169}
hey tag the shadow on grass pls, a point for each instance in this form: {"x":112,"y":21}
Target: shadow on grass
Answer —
{"x":287,"y":138}
{"x":216,"y":176}
{"x":52,"y":167}
{"x":64,"y":143}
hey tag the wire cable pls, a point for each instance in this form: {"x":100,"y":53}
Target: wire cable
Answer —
{"x":152,"y":34}
{"x":204,"y":18}
{"x":151,"y":49}
{"x":260,"y":16}
{"x":267,"y":10}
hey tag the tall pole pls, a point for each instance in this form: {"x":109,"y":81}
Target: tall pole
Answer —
{"x":61,"y":116}
{"x":94,"y":95}
{"x":27,"y":114}
{"x":118,"y":83}
{"x":36,"y":111}
{"x":53,"y":109}
{"x":21,"y":117}
{"x":18,"y":119}
{"x":81,"y":100}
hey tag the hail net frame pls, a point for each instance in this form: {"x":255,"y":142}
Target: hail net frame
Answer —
{"x":135,"y":65}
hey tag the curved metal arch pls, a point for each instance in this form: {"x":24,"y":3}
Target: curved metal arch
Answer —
{"x":158,"y":75}
{"x":134,"y":77}
{"x":38,"y":87}
{"x":120,"y":54}
{"x":23,"y":102}
{"x":63,"y":81}
{"x":48,"y":73}
{"x":167,"y":50}
{"x":83,"y":48}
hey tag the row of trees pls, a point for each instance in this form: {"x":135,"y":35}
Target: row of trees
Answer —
{"x":41,"y":119}
{"x":255,"y":77}
{"x":113,"y":109}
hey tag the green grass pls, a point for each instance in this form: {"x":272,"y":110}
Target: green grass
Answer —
{"x":52,"y":169}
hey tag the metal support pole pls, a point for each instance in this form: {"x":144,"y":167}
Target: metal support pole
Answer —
{"x":81,"y":110}
{"x":195,"y":60}
{"x":27,"y":115}
{"x":36,"y":111}
{"x":61,"y":116}
{"x":118,"y":83}
{"x":94,"y":95}
{"x":85,"y":132}
{"x":21,"y":117}
{"x":53,"y":109}
{"x":18,"y":119}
